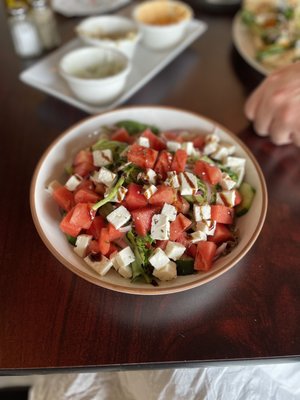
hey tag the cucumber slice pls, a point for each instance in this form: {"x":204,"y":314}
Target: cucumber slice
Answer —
{"x":71,"y":239}
{"x":106,"y":209}
{"x":247,"y":192}
{"x":185,"y":266}
{"x":194,"y":198}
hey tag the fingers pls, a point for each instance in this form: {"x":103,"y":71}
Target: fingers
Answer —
{"x":258,"y":110}
{"x":252,"y":104}
{"x":263,"y":103}
{"x":268,"y":109}
{"x":274,"y":106}
{"x":280,"y":134}
{"x":295,"y":137}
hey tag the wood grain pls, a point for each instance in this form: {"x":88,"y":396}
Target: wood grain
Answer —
{"x":51,"y":319}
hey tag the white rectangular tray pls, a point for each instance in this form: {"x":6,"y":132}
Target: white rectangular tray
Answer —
{"x":146,"y":64}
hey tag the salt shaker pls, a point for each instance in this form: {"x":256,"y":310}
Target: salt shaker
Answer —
{"x":45,"y":22}
{"x":25,"y":36}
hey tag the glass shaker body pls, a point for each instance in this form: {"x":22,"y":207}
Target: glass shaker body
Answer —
{"x":45,"y":22}
{"x":24,"y":33}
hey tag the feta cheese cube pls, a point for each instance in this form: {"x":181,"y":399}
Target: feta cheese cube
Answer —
{"x":237,"y":165}
{"x":173,"y":146}
{"x":81,"y":245}
{"x":52,"y":186}
{"x":143,"y":141}
{"x":113,"y":259}
{"x":125,"y":228}
{"x":188,"y":183}
{"x":170,"y":211}
{"x":202,"y":212}
{"x":120,"y":195}
{"x":240,"y":171}
{"x":105,"y":176}
{"x":227,"y":183}
{"x":158,"y":259}
{"x":101,"y":267}
{"x":125,"y":257}
{"x":233,"y":162}
{"x":149,"y":191}
{"x":160,"y":227}
{"x":119,"y":217}
{"x":149,"y":176}
{"x":102,"y":157}
{"x":125,"y":271}
{"x":210,"y":148}
{"x":73,"y":182}
{"x":220,"y":153}
{"x":189,"y":148}
{"x":198,"y":236}
{"x":229,"y":147}
{"x":207,"y":226}
{"x":174,"y":250}
{"x":227,"y":197}
{"x":167,"y":273}
{"x":214,"y":136}
{"x":211,"y":143}
{"x":172,"y":180}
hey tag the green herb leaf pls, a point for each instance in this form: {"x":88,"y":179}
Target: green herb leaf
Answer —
{"x":135,"y":127}
{"x":248,"y":17}
{"x":140,"y":258}
{"x":113,"y":145}
{"x":69,"y":169}
{"x":110,"y":195}
{"x":131,"y":172}
{"x":270,"y":51}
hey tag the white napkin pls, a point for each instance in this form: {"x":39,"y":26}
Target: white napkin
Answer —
{"x":249,"y":382}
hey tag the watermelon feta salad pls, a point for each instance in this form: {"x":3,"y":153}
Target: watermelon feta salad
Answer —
{"x":151,"y":204}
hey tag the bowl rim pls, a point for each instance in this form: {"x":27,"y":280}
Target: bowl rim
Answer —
{"x":150,"y":290}
{"x":108,"y":17}
{"x":161,"y":27}
{"x":106,"y":80}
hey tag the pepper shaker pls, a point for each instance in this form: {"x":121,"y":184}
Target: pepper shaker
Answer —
{"x":45,"y":22}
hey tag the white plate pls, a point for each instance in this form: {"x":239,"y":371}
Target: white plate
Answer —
{"x":46,"y":214}
{"x":73,"y":8}
{"x":243,"y":42}
{"x":146,"y":64}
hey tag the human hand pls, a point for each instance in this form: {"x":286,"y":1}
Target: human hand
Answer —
{"x":274,"y":106}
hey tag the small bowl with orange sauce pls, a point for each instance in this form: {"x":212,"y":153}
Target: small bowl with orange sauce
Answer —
{"x":162,"y":23}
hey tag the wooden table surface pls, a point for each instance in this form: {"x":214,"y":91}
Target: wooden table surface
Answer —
{"x":51,"y":319}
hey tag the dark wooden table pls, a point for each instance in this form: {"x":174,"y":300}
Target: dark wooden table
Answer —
{"x":51,"y":319}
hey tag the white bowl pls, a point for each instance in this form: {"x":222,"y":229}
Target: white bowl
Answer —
{"x":111,"y":31}
{"x":46,"y":215}
{"x":162,"y":23}
{"x":96,"y":75}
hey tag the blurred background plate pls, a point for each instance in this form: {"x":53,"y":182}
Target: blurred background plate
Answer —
{"x":77,"y":8}
{"x":243,"y":42}
{"x":146,"y":63}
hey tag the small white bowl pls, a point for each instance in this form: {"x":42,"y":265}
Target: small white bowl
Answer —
{"x":95,"y":75}
{"x":112,"y":31}
{"x":162,"y":23}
